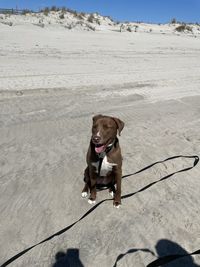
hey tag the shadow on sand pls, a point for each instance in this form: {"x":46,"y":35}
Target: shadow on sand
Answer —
{"x":68,"y":259}
{"x":170,"y":254}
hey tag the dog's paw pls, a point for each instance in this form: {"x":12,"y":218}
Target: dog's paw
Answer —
{"x":116,"y":204}
{"x":84,"y":194}
{"x":91,"y":202}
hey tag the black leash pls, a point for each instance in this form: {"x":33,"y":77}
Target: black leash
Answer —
{"x":196,"y":160}
{"x":169,"y":258}
{"x":132,"y":250}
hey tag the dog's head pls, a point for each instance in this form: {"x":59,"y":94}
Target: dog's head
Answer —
{"x":104,"y":131}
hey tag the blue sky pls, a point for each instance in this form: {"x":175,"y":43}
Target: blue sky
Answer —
{"x":123,"y":10}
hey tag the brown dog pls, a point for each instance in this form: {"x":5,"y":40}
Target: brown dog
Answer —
{"x":104,"y":158}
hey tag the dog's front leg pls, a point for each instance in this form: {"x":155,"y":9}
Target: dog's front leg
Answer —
{"x":87,"y":183}
{"x":93,"y":178}
{"x":117,"y":196}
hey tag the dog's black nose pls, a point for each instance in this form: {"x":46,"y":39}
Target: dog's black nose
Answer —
{"x":96,"y":139}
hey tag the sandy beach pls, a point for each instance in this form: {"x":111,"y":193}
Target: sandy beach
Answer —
{"x":52,"y":81}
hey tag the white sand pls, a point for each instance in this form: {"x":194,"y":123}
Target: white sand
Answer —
{"x":52,"y":81}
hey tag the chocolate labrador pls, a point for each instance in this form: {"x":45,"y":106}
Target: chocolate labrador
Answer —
{"x":104,"y":159}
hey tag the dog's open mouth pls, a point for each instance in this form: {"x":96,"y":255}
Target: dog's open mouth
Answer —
{"x":99,"y":148}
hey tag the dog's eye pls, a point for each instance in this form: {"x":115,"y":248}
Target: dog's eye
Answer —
{"x":105,"y":126}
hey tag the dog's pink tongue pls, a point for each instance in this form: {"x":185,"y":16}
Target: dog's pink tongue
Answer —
{"x":99,"y":149}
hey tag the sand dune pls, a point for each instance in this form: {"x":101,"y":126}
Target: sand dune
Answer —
{"x":52,"y":81}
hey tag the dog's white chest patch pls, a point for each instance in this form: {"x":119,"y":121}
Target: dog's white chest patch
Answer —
{"x":105,"y":166}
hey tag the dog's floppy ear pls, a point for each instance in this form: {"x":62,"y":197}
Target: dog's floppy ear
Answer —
{"x":96,"y":117}
{"x":120,"y":124}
